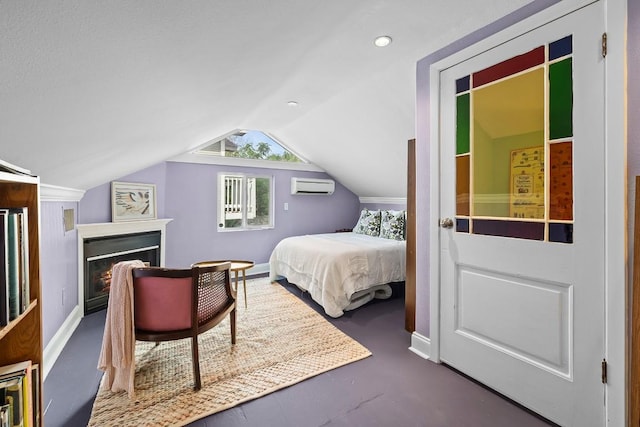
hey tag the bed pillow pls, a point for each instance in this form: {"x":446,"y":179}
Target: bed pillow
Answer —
{"x":368,"y":223}
{"x":392,"y":225}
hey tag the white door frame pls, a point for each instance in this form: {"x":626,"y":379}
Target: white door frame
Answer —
{"x":616,"y":189}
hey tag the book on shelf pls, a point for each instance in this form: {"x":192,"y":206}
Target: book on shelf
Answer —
{"x":5,"y":415}
{"x":22,"y":218}
{"x":16,"y":394}
{"x":35,"y":393}
{"x":14,"y":263}
{"x":4,"y":270}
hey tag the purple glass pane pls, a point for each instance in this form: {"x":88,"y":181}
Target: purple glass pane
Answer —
{"x":517,"y":229}
{"x":561,"y":233}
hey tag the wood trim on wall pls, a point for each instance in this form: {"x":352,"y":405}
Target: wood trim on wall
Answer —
{"x":410,"y":281}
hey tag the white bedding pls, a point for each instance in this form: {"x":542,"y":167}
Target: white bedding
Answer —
{"x":341,"y":271}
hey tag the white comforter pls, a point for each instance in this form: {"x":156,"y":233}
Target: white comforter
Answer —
{"x":338,"y":269}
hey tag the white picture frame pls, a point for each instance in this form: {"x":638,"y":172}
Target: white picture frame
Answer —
{"x":132,"y":201}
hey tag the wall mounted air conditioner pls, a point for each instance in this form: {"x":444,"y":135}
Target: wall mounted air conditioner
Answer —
{"x":312,"y":186}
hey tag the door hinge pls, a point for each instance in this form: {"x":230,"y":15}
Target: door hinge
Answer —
{"x":604,"y":44}
{"x":604,"y":371}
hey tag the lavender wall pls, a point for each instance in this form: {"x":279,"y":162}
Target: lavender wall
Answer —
{"x":95,"y":206}
{"x":191,"y":200}
{"x":58,"y":267}
{"x":187,"y":193}
{"x":423,"y":99}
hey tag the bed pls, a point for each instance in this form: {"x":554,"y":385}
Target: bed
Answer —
{"x":341,"y":271}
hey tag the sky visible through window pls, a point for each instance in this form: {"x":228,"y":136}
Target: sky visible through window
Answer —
{"x":255,"y":137}
{"x":249,"y":144}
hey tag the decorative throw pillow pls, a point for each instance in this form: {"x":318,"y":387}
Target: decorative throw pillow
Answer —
{"x":368,"y":223}
{"x":392,"y":225}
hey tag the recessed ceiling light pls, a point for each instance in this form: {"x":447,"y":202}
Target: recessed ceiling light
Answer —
{"x":382,"y":41}
{"x":292,"y":104}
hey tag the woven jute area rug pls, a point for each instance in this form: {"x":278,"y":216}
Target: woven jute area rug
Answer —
{"x":280,"y":341}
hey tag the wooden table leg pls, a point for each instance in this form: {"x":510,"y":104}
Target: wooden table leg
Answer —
{"x":236,"y":281}
{"x":244,"y":285}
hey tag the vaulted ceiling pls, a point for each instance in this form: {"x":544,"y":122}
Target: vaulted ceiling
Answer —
{"x":92,"y":90}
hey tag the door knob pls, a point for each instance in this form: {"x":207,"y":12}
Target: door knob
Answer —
{"x":446,"y":223}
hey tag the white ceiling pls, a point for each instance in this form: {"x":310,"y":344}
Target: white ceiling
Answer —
{"x":92,"y":90}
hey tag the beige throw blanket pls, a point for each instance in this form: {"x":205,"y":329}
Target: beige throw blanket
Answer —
{"x":118,"y":342}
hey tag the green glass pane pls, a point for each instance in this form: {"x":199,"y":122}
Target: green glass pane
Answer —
{"x":560,"y":99}
{"x":462,"y":124}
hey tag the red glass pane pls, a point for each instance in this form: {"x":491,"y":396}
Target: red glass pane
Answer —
{"x":509,"y":67}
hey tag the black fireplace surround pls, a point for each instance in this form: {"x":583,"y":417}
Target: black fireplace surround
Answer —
{"x":101,"y":253}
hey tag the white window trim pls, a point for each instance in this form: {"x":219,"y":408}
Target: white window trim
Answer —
{"x":240,"y":162}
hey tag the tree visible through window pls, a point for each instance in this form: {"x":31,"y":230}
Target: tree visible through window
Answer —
{"x":244,"y":201}
{"x":249,"y":144}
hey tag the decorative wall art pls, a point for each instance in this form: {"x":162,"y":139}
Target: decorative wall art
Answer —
{"x":132,"y":201}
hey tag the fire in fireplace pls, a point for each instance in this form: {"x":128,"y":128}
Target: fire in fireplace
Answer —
{"x":101,"y":253}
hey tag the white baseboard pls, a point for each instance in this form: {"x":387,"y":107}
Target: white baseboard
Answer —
{"x":59,"y":340}
{"x":258,"y":269}
{"x":420,"y":345}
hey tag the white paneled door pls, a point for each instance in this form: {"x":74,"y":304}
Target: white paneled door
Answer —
{"x":522,"y":238}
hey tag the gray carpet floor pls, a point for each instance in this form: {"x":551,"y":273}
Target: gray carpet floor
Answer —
{"x":394,"y":387}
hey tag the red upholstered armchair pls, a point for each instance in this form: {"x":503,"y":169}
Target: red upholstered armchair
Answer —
{"x":171,"y":304}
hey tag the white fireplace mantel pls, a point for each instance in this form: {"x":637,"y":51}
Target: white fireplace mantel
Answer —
{"x":87,"y":231}
{"x":114,"y":228}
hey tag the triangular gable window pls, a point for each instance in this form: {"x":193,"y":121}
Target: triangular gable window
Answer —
{"x":249,"y":144}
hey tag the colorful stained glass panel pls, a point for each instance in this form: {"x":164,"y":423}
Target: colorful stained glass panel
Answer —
{"x":502,"y":148}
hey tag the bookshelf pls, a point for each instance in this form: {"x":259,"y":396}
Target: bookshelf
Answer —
{"x":21,"y":338}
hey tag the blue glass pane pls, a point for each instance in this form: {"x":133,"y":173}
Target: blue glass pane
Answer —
{"x":462,"y":225}
{"x":462,"y":84}
{"x":560,"y":48}
{"x":561,"y":233}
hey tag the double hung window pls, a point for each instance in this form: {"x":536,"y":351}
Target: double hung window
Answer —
{"x":244,"y":201}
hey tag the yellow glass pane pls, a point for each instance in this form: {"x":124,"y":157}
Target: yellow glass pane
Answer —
{"x":508,"y":116}
{"x":527,"y":183}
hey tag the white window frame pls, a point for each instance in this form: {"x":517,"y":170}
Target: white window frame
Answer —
{"x":241,"y":203}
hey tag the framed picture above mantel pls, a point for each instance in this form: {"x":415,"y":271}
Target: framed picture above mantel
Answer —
{"x":132,"y":201}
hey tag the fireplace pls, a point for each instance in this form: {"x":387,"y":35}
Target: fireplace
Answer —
{"x":100,"y":245}
{"x":100,"y":254}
